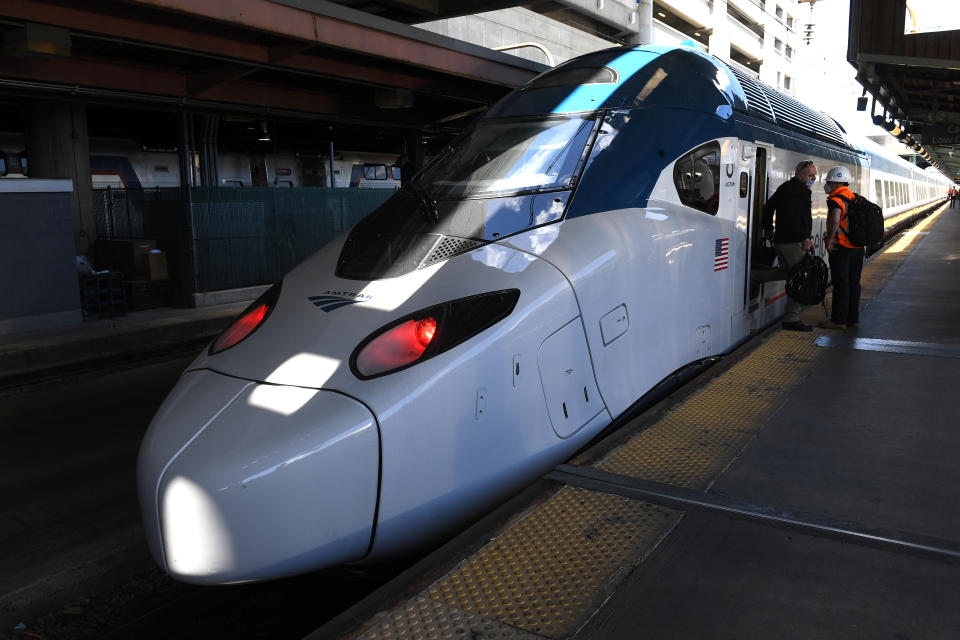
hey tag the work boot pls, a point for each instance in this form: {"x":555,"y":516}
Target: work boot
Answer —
{"x":797,"y":325}
{"x":830,"y":324}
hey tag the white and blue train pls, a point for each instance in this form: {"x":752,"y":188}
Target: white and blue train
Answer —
{"x":585,"y":239}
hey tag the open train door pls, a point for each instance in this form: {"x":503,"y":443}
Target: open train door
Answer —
{"x":755,"y":160}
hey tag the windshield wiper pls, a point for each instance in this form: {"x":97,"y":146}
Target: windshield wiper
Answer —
{"x":429,"y":205}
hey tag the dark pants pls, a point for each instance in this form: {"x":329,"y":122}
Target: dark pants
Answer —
{"x":845,"y":267}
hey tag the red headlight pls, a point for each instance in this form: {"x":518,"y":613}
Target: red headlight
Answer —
{"x":429,"y":332}
{"x":398,"y":347}
{"x":248,"y":321}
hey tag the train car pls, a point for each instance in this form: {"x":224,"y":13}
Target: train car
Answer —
{"x":125,"y":164}
{"x":584,"y":240}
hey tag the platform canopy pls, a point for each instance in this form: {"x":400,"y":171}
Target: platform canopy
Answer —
{"x":303,"y":58}
{"x":907,"y":56}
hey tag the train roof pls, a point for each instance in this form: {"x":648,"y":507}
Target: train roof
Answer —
{"x":651,"y":76}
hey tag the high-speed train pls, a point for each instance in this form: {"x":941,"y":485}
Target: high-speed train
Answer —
{"x":586,"y":238}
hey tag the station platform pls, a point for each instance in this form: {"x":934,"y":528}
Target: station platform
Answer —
{"x":44,"y":354}
{"x":805,"y":487}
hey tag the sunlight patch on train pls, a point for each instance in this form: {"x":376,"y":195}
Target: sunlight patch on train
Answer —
{"x":502,"y":259}
{"x":390,"y":293}
{"x":283,"y":399}
{"x":197,"y":540}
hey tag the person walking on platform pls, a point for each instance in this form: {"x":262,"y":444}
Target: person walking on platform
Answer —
{"x":846,"y":260}
{"x":790,"y":205}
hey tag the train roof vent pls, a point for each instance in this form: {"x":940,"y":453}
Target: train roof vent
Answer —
{"x":768,"y":103}
{"x":793,"y":114}
{"x":448,"y":247}
{"x":757,"y":102}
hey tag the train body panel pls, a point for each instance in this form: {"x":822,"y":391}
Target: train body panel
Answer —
{"x":588,"y":237}
{"x":468,"y":400}
{"x":258,"y":441}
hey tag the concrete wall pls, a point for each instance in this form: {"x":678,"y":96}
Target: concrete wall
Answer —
{"x":38,"y":274}
{"x":511,"y":26}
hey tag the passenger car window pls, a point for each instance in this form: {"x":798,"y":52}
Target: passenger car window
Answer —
{"x":374,"y":172}
{"x":697,"y":178}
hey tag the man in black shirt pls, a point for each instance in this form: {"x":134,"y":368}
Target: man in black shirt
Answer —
{"x":790,"y":205}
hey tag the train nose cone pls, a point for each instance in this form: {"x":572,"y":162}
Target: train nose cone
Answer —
{"x":245,"y":481}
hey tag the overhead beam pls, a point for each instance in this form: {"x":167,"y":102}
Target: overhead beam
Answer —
{"x":908,"y":61}
{"x":291,"y":56}
{"x":198,"y":82}
{"x":933,"y":116}
{"x":301,"y":24}
{"x":75,"y":72}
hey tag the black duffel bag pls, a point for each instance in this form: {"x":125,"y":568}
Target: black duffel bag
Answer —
{"x":807,"y":282}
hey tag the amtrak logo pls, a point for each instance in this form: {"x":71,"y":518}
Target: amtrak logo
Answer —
{"x":331,"y":300}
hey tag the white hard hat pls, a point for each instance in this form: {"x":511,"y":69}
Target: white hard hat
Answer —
{"x":839,"y":174}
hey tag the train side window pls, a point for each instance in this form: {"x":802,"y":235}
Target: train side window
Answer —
{"x":879,"y":190}
{"x":3,"y":164}
{"x":374,"y":172}
{"x":23,"y":163}
{"x":697,"y":178}
{"x":395,"y":171}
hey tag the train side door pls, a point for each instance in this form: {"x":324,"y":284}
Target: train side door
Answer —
{"x":751,"y":300}
{"x":258,"y":170}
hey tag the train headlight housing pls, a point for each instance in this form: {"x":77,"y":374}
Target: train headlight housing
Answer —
{"x":429,"y":332}
{"x":247,"y":322}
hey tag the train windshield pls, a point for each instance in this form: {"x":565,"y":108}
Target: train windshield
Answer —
{"x":503,"y":157}
{"x":501,"y":178}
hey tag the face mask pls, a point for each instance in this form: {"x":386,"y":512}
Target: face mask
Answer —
{"x":810,"y":184}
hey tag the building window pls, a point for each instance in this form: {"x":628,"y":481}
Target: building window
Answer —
{"x":789,"y":52}
{"x":778,"y":45}
{"x":779,"y":13}
{"x":787,"y":82}
{"x":789,"y":21}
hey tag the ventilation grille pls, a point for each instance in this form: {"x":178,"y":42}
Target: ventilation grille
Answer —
{"x":447,"y":248}
{"x":756,"y":98}
{"x":774,"y":106}
{"x":794,"y":114}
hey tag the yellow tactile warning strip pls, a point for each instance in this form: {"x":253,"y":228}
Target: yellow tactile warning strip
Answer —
{"x":546,"y":574}
{"x":691,"y":445}
{"x":556,"y":565}
{"x":424,"y":617}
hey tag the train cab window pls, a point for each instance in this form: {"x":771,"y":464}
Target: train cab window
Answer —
{"x":697,"y":178}
{"x":574,"y":76}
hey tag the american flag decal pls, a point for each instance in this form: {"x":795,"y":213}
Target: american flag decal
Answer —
{"x":721,"y":251}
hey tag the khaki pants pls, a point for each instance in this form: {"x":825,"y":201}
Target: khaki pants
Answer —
{"x":788,"y":254}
